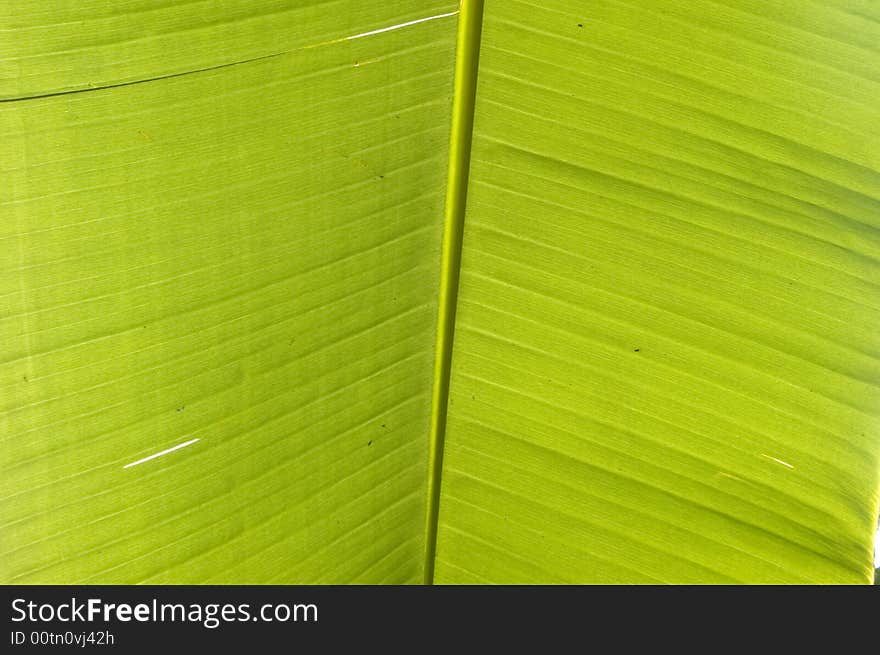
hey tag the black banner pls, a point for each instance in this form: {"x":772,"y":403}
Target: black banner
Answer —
{"x":283,"y":618}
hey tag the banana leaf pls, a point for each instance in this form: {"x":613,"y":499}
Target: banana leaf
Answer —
{"x":413,"y":291}
{"x":221,"y":228}
{"x":665,"y":360}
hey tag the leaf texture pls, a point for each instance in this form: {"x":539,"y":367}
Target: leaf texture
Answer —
{"x":226,"y":312}
{"x":665,"y":365}
{"x":220,"y":234}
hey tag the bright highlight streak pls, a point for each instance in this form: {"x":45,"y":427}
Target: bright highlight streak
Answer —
{"x":777,"y":460}
{"x":399,"y":25}
{"x":877,"y":549}
{"x":164,"y":452}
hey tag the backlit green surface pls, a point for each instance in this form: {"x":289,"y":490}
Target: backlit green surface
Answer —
{"x":225,"y":308}
{"x":665,"y":363}
{"x":247,"y":255}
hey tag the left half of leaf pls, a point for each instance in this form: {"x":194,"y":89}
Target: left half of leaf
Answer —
{"x":220,"y":261}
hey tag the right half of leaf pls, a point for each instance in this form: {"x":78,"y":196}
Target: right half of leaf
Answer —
{"x":666,"y":353}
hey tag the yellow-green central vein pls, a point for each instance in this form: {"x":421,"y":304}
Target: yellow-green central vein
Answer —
{"x":466,"y":57}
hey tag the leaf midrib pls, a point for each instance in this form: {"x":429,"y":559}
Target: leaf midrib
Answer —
{"x":464,"y":93}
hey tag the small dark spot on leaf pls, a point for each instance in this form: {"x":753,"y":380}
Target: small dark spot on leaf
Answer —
{"x":383,"y":425}
{"x":181,"y":408}
{"x":24,"y":377}
{"x":635,"y":350}
{"x":370,"y":442}
{"x":580,"y":24}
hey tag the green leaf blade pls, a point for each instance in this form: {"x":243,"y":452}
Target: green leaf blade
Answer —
{"x":246,"y":256}
{"x":665,"y":364}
